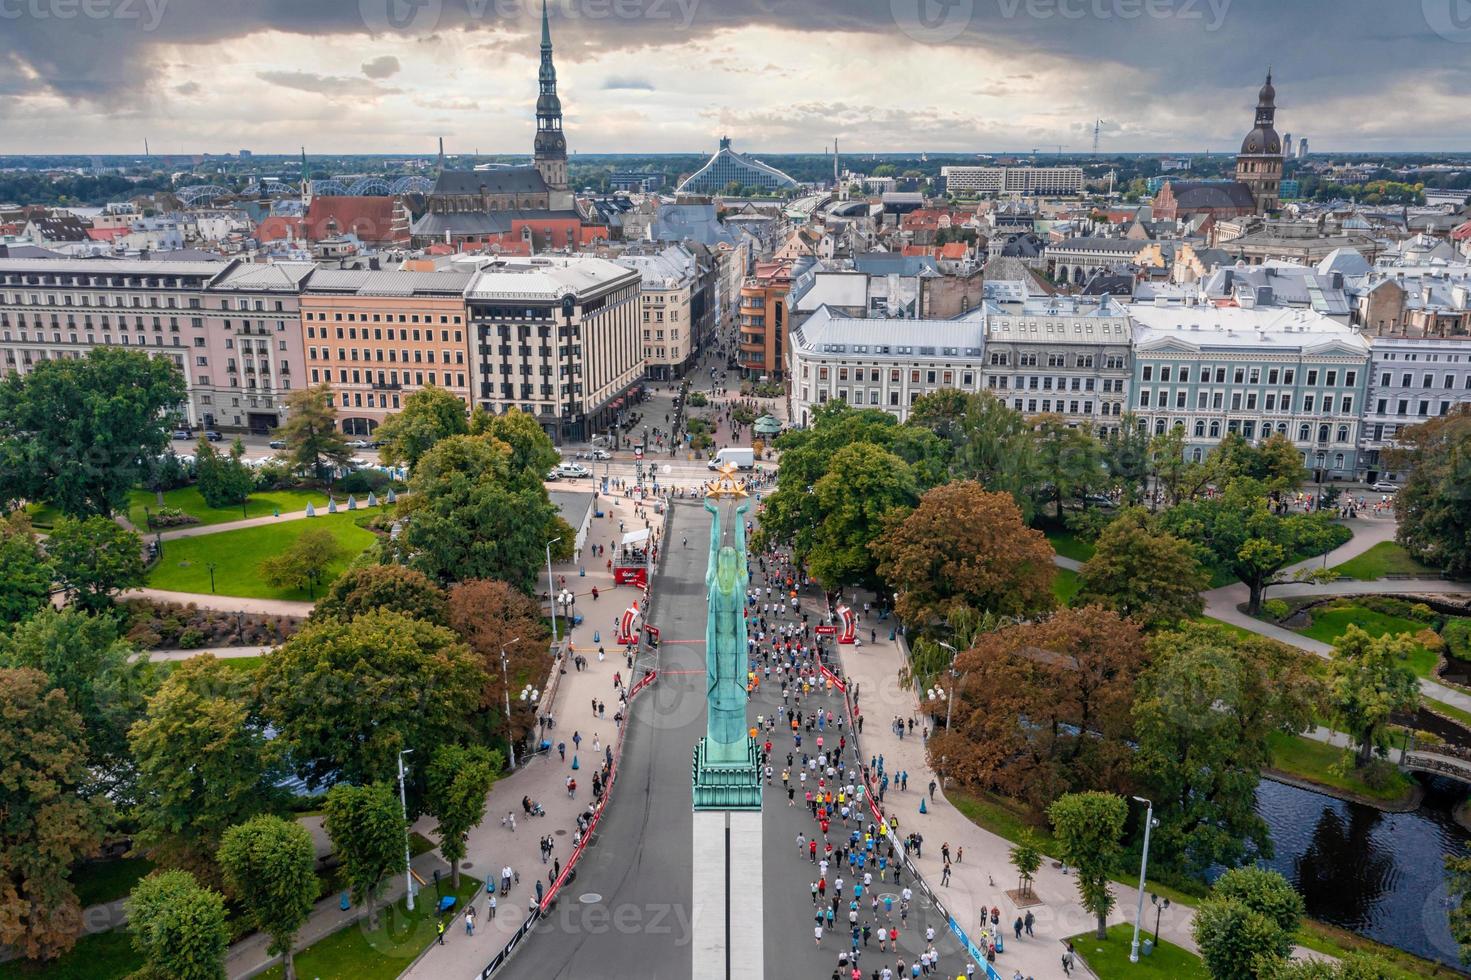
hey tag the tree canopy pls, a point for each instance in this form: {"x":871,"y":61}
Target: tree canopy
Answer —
{"x":459,"y":779}
{"x":1147,"y":575}
{"x":965,"y":548}
{"x":1434,"y":505}
{"x":367,"y":829}
{"x":863,"y":490}
{"x":270,"y":865}
{"x":94,"y":558}
{"x":75,"y":432}
{"x":472,"y":516}
{"x":313,"y":442}
{"x":45,"y":826}
{"x":1089,"y":829}
{"x":390,"y":588}
{"x":346,"y":697}
{"x":179,"y":927}
{"x":25,"y":571}
{"x":1370,"y":680}
{"x":429,"y":415}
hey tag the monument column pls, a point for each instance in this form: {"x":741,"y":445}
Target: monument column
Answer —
{"x":726,"y":772}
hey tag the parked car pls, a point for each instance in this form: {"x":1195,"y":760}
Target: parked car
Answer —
{"x":600,"y":454}
{"x":213,"y":436}
{"x":1384,"y":486}
{"x":183,"y":434}
{"x":1098,"y":500}
{"x":553,"y":475}
{"x":277,"y":444}
{"x":360,"y":444}
{"x":573,"y":470}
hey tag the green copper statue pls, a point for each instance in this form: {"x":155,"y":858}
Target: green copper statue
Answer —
{"x":726,"y":766}
{"x":726,"y":583}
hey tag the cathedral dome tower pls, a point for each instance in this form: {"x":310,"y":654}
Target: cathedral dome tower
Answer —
{"x":1259,"y":164}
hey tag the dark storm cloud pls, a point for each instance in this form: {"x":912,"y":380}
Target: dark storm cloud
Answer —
{"x":104,"y":50}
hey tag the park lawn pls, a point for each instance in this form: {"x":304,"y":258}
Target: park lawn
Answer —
{"x":1109,"y":958}
{"x":96,"y":956}
{"x":1331,"y":621}
{"x":99,"y":882}
{"x":359,"y":953}
{"x":1240,"y":631}
{"x":1326,"y":764}
{"x":43,"y":516}
{"x":1385,"y":558}
{"x":1069,"y":545}
{"x":1000,"y":816}
{"x":245,"y":664}
{"x":1338,"y":943}
{"x":238,"y":554}
{"x":1451,"y":711}
{"x":263,"y":503}
{"x":1065,"y":585}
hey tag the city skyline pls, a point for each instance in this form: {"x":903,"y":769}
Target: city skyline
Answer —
{"x":666,"y":76}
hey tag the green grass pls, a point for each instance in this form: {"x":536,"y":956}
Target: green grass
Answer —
{"x":1385,"y":558}
{"x":43,"y":515}
{"x":1338,"y":943}
{"x":1069,"y":545}
{"x":1240,"y":631}
{"x":1331,"y":620}
{"x":241,"y":663}
{"x":237,"y":555}
{"x":99,"y":882}
{"x":360,"y":953}
{"x":187,"y":499}
{"x":1326,"y":764}
{"x":1450,"y":711}
{"x":1002,"y":817}
{"x":1109,"y":958}
{"x":96,"y":956}
{"x":1065,"y":585}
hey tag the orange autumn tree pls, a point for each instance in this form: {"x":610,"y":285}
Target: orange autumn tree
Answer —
{"x":1042,"y":709}
{"x":965,"y":548}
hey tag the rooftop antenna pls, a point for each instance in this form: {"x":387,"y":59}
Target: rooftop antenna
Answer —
{"x":1097,"y":128}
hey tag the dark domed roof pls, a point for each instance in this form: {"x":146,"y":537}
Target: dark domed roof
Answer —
{"x":1261,"y":140}
{"x":1268,"y":94}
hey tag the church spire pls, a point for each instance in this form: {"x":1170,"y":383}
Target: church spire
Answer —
{"x":550,"y":156}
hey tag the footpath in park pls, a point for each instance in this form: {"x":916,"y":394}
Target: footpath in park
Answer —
{"x":493,"y":844}
{"x":980,"y":881}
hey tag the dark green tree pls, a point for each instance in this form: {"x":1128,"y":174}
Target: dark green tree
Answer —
{"x":1370,"y":680}
{"x":84,"y":657}
{"x":204,"y":763}
{"x":304,"y":563}
{"x":94,"y":558}
{"x":313,"y":441}
{"x":1248,"y":923}
{"x":1069,"y":458}
{"x":471,"y":516}
{"x":385,"y":588}
{"x":224,"y":480}
{"x":864,"y":490}
{"x":1148,"y":575}
{"x":1203,"y":714}
{"x":270,"y":865}
{"x":25,"y":571}
{"x":179,"y":927}
{"x":45,"y":826}
{"x":367,"y":829}
{"x":459,"y":779}
{"x":1434,"y":505}
{"x":1089,"y":828}
{"x":532,"y":452}
{"x":429,"y":415}
{"x":75,"y":431}
{"x":346,"y":697}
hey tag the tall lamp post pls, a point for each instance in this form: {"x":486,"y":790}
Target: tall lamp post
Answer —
{"x":950,"y":688}
{"x":552,"y":590}
{"x":505,"y":679}
{"x":1143,"y":866}
{"x":403,"y":803}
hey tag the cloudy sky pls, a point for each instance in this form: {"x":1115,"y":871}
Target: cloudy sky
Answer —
{"x":777,"y":75}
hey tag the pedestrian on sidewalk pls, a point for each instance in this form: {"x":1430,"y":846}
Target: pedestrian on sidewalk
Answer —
{"x":439,"y":930}
{"x":470,"y":921}
{"x":490,"y":908}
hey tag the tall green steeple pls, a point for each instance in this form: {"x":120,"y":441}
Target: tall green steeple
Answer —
{"x":550,"y":156}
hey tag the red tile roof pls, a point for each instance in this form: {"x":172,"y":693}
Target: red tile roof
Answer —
{"x":279,"y":228}
{"x":371,"y":219}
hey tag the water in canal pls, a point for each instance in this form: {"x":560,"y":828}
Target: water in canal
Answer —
{"x":1377,"y":874}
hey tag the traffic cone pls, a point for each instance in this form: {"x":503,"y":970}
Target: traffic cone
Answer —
{"x":574,"y":763}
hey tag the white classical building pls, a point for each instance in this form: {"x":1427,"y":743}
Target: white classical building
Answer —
{"x":1059,"y":355}
{"x":880,"y":363}
{"x":1215,"y":370}
{"x":1013,"y":180}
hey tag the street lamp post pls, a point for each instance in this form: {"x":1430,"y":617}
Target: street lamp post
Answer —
{"x":1143,"y":866}
{"x":950,"y":704}
{"x":403,"y":803}
{"x":552,"y":592}
{"x":1159,"y":906}
{"x":506,"y":680}
{"x":211,"y":566}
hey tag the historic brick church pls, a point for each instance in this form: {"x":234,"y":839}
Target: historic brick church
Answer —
{"x":519,"y":209}
{"x":1258,"y":175}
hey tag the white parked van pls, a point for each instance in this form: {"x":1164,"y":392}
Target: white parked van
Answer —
{"x":744,"y":459}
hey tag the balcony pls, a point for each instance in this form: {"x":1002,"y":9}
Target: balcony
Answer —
{"x":387,"y":386}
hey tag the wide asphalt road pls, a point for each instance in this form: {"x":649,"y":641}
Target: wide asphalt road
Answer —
{"x":627,"y":913}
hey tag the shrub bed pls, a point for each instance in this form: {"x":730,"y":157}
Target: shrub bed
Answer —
{"x":151,"y":625}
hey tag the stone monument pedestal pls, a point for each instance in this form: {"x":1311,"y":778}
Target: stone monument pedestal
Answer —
{"x":727,"y":784}
{"x":726,"y":922}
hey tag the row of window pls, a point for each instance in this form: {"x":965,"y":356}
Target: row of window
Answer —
{"x":1448,"y":381}
{"x":385,"y":379}
{"x":1111,"y":362}
{"x":1253,"y":375}
{"x":376,"y":354}
{"x":1247,"y":401}
{"x":381,"y":318}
